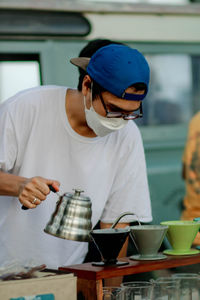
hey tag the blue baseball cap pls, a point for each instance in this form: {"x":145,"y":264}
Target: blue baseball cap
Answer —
{"x":117,"y":67}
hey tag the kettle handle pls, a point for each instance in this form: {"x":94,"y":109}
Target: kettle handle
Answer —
{"x":51,"y":189}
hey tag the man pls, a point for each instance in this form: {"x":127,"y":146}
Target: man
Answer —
{"x":72,"y":138}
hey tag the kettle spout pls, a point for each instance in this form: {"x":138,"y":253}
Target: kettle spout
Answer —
{"x":121,"y":216}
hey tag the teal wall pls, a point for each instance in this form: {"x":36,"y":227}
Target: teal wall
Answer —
{"x":163,"y":156}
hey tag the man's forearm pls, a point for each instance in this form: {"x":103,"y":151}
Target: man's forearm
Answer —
{"x":10,"y":184}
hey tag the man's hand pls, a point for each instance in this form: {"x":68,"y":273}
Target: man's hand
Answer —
{"x":35,"y":190}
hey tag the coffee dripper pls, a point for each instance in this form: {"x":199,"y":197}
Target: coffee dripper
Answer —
{"x":109,"y":242}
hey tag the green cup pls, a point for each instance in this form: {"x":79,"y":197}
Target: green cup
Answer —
{"x":181,"y":235}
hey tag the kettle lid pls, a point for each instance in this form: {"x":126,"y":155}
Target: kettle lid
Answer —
{"x":77,"y":195}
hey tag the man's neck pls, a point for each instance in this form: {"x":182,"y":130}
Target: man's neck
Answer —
{"x":75,"y":111}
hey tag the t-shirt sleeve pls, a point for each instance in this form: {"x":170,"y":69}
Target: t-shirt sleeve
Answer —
{"x":130,"y":191}
{"x":16,"y":120}
{"x":8,"y":141}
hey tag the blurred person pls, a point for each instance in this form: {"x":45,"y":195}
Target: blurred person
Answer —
{"x":73,"y":138}
{"x":191,"y":173}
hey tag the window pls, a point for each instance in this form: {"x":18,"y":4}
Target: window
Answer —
{"x":18,"y":72}
{"x":173,"y":91}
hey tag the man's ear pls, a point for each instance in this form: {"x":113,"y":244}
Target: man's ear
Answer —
{"x":86,"y":85}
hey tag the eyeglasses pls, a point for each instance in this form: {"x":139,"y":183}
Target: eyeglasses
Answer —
{"x":117,"y":114}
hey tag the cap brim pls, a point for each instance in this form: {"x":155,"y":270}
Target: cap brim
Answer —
{"x":81,"y":62}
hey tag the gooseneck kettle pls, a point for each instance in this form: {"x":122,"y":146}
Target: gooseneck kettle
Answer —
{"x":71,"y":219}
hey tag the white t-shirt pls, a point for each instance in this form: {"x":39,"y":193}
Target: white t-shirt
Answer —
{"x":36,"y":139}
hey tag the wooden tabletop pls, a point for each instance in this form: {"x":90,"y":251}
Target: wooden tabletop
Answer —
{"x":88,"y":271}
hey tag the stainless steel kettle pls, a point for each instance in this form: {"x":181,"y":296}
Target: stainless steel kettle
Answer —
{"x":71,"y":219}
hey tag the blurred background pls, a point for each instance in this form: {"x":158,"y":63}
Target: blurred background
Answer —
{"x":37,"y":39}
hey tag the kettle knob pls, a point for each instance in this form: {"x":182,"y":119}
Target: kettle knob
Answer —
{"x":77,"y":192}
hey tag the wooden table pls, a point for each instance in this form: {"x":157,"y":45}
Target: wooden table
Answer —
{"x":90,"y":277}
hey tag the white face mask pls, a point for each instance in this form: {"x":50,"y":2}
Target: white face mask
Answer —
{"x":101,"y":125}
